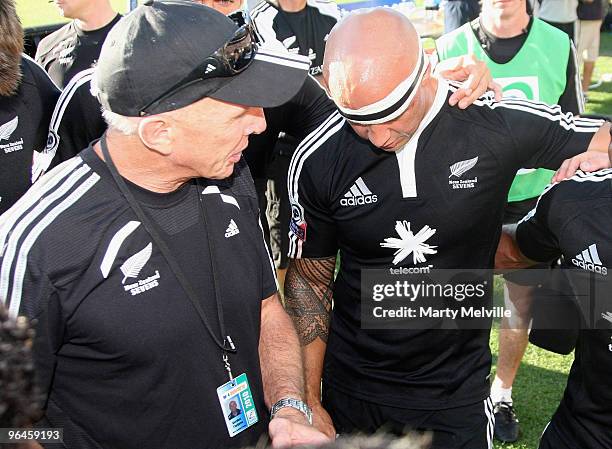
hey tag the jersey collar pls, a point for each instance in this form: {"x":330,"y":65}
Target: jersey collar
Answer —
{"x":406,"y":155}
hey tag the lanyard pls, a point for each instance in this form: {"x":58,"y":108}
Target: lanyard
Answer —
{"x":225,"y":343}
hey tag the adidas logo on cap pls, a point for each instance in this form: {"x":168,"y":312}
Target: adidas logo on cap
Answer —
{"x":589,"y":260}
{"x":358,"y":195}
{"x":232,"y":229}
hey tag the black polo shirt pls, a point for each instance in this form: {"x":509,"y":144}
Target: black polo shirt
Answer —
{"x":67,"y":51}
{"x":445,"y":190}
{"x":572,"y":221}
{"x":24,"y":120}
{"x":119,"y":347}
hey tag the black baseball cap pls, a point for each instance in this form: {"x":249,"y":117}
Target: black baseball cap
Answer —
{"x":149,"y":52}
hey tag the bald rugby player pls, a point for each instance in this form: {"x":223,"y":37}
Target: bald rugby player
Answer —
{"x":394,"y":146}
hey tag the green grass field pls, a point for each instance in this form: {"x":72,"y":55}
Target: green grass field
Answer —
{"x":542,"y":376}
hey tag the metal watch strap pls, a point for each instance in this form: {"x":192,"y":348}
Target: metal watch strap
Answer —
{"x":293,"y":403}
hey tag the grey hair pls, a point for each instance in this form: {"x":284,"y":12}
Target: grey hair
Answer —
{"x":122,"y":124}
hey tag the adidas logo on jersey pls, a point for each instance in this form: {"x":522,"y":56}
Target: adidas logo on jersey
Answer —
{"x":232,"y":229}
{"x":209,"y":68}
{"x":589,"y":260}
{"x":358,"y":195}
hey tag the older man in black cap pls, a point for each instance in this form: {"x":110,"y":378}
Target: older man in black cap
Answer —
{"x":142,"y":258}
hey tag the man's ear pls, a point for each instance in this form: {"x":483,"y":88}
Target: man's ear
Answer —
{"x":156,"y":133}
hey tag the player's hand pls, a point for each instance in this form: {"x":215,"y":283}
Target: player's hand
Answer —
{"x":588,"y":161}
{"x":322,"y":421}
{"x":291,"y":428}
{"x":475,"y":75}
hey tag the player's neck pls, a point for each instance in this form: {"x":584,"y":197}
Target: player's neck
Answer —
{"x":505,"y":26}
{"x":141,"y":166}
{"x":96,"y":17}
{"x":292,"y":5}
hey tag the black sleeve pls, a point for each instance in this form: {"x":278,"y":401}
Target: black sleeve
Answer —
{"x":308,"y":109}
{"x":298,"y":117}
{"x":48,"y":94}
{"x":303,"y":113}
{"x":534,"y":235}
{"x":544,"y":136}
{"x":80,"y":123}
{"x":571,"y":100}
{"x":312,"y":231}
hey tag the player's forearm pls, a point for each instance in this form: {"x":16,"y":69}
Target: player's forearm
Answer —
{"x":279,"y":352}
{"x":601,"y":140}
{"x":308,"y":300}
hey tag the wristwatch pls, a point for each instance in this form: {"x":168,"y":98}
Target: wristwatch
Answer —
{"x":293,"y":403}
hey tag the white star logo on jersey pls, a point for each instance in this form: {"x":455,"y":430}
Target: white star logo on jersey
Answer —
{"x":408,"y":243}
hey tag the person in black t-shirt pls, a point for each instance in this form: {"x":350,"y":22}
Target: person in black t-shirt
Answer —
{"x":142,"y":258}
{"x":27,"y":97}
{"x":572,"y":221}
{"x":399,"y":179}
{"x":68,"y":55}
{"x":300,"y":26}
{"x":76,"y":46}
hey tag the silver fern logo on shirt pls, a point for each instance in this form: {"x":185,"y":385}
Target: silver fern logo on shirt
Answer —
{"x":6,"y":131}
{"x":132,"y":267}
{"x":458,"y":169}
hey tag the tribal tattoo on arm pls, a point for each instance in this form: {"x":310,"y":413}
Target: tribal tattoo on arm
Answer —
{"x":308,"y":297}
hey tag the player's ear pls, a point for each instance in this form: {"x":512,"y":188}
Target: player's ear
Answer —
{"x":155,"y":132}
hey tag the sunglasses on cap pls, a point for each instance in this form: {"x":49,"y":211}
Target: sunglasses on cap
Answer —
{"x":229,"y":60}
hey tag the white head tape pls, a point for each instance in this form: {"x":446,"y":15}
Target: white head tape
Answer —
{"x":394,"y":104}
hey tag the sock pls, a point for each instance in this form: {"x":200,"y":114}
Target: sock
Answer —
{"x":499,"y":394}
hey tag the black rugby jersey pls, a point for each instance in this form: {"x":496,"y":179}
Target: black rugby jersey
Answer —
{"x":303,"y":32}
{"x":69,"y":50}
{"x":24,"y":120}
{"x":573,"y":220}
{"x":76,"y":121}
{"x":447,"y":187}
{"x":119,"y":347}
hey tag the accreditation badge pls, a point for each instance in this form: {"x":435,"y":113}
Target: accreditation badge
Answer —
{"x":237,"y":404}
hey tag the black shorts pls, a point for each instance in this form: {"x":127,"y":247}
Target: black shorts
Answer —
{"x":467,"y":427}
